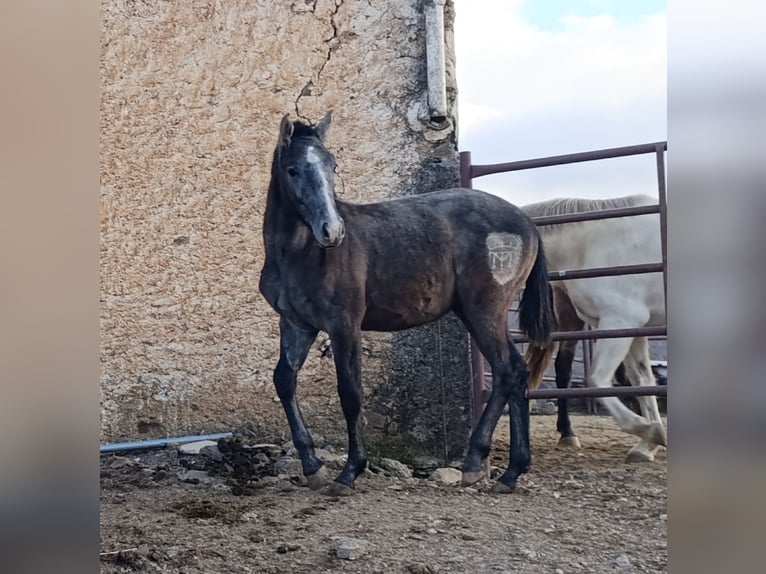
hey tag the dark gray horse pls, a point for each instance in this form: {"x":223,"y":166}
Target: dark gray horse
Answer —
{"x":344,"y":268}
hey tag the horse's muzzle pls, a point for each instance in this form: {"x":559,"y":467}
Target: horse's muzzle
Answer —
{"x":332,"y":234}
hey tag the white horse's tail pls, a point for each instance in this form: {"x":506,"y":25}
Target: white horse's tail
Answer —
{"x":539,"y":353}
{"x":538,"y":357}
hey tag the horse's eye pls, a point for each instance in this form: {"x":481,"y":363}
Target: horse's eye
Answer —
{"x":292,"y":172}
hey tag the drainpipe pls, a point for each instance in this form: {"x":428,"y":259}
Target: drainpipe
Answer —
{"x":437,"y":84}
{"x":158,"y":443}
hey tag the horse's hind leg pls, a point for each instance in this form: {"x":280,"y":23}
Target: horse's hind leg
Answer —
{"x":294,"y":347}
{"x":607,"y":356}
{"x":563,"y":364}
{"x":510,"y":376}
{"x":639,"y":372}
{"x":568,"y":320}
{"x":518,"y":406}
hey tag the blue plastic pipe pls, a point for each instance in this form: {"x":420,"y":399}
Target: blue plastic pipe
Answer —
{"x":158,"y":443}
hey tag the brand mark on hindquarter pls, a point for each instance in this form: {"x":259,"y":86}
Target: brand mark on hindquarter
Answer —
{"x":504,"y":253}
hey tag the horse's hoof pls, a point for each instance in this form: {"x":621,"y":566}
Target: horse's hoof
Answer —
{"x":502,"y":488}
{"x":658,"y":435}
{"x":637,"y":455}
{"x":317,"y":480}
{"x":654,"y":433}
{"x":470,"y":478}
{"x":338,"y":489}
{"x":569,"y":441}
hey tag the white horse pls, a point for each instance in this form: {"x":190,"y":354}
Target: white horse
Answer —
{"x":605,"y":303}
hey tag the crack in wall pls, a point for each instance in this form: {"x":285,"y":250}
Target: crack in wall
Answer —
{"x":331,"y":44}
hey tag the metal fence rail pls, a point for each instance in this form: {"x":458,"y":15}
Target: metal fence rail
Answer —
{"x":600,"y":334}
{"x":605,"y":271}
{"x":595,"y":392}
{"x":625,"y":151}
{"x":593,"y":215}
{"x":469,"y":171}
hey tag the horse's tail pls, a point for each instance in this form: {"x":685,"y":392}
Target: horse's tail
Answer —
{"x":538,"y":358}
{"x":536,"y":318}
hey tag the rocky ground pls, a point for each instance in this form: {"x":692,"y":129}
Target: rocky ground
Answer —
{"x":242,"y":507}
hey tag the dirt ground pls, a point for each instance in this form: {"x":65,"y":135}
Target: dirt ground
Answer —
{"x":576,"y":511}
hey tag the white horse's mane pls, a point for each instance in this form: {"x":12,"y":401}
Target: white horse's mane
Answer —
{"x":608,"y":302}
{"x":568,"y":205}
{"x":564,"y":205}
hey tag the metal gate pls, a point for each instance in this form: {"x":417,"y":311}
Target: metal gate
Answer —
{"x":468,"y":172}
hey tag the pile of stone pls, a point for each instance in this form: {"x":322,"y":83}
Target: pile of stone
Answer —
{"x":244,"y":464}
{"x":241,"y":465}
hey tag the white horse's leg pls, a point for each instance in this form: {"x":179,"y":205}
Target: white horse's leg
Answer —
{"x":639,"y":373}
{"x":607,"y":356}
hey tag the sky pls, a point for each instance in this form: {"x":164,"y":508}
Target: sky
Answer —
{"x":547,"y":77}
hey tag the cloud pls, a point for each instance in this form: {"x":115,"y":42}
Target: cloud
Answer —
{"x":472,"y":115}
{"x":576,"y":83}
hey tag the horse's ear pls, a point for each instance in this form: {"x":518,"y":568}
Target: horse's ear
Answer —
{"x":285,"y":130}
{"x":324,"y":125}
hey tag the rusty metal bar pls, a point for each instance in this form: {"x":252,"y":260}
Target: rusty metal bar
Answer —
{"x":587,"y":356}
{"x":595,"y":392}
{"x":488,"y":169}
{"x":601,"y":334}
{"x":597,"y":215}
{"x":605,"y":271}
{"x":663,"y":205}
{"x":572,"y":382}
{"x":465,"y":169}
{"x":480,"y":389}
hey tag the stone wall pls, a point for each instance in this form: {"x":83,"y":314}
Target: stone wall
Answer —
{"x":191,"y":98}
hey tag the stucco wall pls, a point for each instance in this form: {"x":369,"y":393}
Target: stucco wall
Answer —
{"x":192,"y":94}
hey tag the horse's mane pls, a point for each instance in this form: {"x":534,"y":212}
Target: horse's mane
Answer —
{"x":302,"y":130}
{"x":568,"y":205}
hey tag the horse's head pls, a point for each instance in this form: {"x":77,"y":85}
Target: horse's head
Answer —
{"x":305,"y":170}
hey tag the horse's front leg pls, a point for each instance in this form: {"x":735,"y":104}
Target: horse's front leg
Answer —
{"x":294,"y":347}
{"x":346,"y":348}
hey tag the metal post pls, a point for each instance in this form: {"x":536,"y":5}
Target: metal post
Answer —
{"x":663,"y":217}
{"x":587,"y":356}
{"x":465,"y":169}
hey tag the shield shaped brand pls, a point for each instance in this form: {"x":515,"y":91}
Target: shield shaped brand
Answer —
{"x":504,"y":253}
